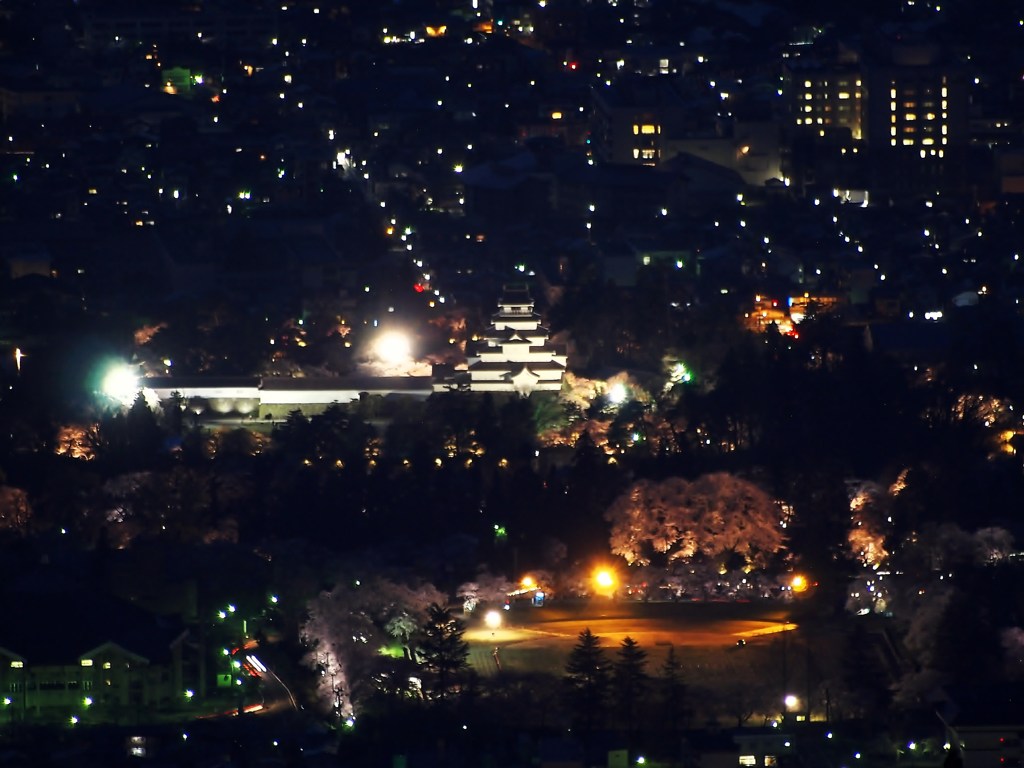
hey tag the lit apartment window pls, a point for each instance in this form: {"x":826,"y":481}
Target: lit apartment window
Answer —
{"x":807,"y":84}
{"x":808,"y":96}
{"x":910,"y":116}
{"x":858,"y":83}
{"x":944,"y":92}
{"x":86,"y":662}
{"x":636,"y":129}
{"x":929,"y":116}
{"x":649,"y":154}
{"x":892,"y":93}
{"x":748,"y":760}
{"x":17,"y":664}
{"x":808,"y":108}
{"x":636,"y":153}
{"x":892,"y":131}
{"x":892,"y":106}
{"x":908,"y":142}
{"x":940,"y":153}
{"x":928,"y":141}
{"x":648,"y":130}
{"x":945,"y":129}
{"x":893,"y":142}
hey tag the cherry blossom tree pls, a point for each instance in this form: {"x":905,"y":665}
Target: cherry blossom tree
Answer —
{"x":714,"y":516}
{"x":347,"y":626}
{"x":487,"y":588}
{"x":15,"y":509}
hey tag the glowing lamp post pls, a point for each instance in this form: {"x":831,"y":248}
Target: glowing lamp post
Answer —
{"x":393,"y":347}
{"x":604,"y":580}
{"x":493,"y":620}
{"x":617,"y":393}
{"x":799,"y":583}
{"x":121,"y":383}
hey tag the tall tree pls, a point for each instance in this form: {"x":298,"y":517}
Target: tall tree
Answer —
{"x":587,"y":677}
{"x":630,"y":681}
{"x":717,"y":516}
{"x":444,"y":651}
{"x":672,"y":690}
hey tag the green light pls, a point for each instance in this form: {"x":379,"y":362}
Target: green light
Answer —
{"x":87,"y":701}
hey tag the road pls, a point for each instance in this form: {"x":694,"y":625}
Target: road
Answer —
{"x":540,"y":638}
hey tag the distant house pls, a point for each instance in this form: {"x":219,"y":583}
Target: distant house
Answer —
{"x":67,"y":655}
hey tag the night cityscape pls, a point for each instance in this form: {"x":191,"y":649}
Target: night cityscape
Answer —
{"x":497,"y":383}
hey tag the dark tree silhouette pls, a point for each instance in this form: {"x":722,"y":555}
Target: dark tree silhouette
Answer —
{"x":444,"y":651}
{"x":672,"y":691}
{"x":630,"y":680}
{"x":588,"y":679}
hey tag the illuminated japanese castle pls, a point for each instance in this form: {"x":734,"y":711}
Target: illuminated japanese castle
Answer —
{"x":515,"y":354}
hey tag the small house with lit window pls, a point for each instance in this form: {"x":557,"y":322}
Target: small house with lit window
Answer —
{"x":81,"y":657}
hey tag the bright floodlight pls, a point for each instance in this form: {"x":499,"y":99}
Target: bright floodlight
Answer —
{"x":492,"y":619}
{"x":121,"y":383}
{"x":617,"y":393}
{"x":393,"y":347}
{"x":604,"y":579}
{"x":791,"y":701}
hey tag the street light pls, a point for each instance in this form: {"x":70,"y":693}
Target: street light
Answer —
{"x":121,"y":383}
{"x":393,"y":347}
{"x":493,"y":620}
{"x":604,"y":580}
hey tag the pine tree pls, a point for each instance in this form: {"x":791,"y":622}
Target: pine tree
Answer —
{"x":444,"y":651}
{"x":587,"y":678}
{"x":630,"y":678}
{"x":673,"y":690}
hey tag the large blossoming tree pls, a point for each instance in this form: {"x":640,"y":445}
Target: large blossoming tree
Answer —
{"x":715,"y":516}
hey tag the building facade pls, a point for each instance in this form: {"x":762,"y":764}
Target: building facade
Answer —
{"x":515,"y":354}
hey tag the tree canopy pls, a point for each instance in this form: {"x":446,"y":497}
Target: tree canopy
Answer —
{"x":715,"y":516}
